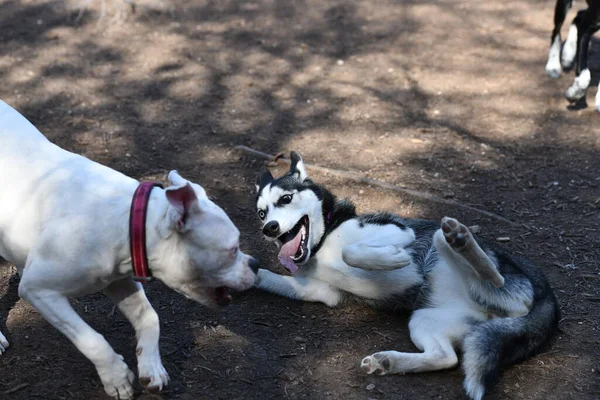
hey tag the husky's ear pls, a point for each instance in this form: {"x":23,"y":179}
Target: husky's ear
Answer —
{"x":184,"y":202}
{"x":297,"y":166}
{"x":263,"y":178}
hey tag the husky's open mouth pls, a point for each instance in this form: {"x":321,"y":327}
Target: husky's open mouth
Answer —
{"x":294,"y":245}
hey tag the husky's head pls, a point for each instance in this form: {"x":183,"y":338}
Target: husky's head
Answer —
{"x":291,"y":209}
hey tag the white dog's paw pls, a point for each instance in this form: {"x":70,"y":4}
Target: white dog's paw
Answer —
{"x":117,"y":379}
{"x":378,"y":363}
{"x":3,"y":343}
{"x":153,"y":375}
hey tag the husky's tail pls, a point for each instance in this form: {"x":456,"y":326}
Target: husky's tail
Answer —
{"x":492,"y":345}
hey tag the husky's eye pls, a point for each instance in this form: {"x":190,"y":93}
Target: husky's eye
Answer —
{"x":234,"y":251}
{"x":261,"y":214}
{"x":285,"y":199}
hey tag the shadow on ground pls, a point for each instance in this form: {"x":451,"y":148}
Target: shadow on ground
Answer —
{"x":457,"y":106}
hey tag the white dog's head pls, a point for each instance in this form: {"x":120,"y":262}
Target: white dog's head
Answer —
{"x":199,"y":253}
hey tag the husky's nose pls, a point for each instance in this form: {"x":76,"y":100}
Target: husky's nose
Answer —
{"x":253,"y":264}
{"x":271,"y":229}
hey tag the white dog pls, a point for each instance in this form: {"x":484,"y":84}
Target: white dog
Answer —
{"x":64,"y":223}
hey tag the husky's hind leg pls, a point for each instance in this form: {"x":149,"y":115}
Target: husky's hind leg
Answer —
{"x":433,"y":331}
{"x":456,"y":241}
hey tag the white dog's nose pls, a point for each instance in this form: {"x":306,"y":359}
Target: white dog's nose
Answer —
{"x":253,"y":264}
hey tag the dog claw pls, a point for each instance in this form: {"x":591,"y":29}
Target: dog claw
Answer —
{"x":118,"y":379}
{"x":377,"y":364}
{"x":153,"y":376}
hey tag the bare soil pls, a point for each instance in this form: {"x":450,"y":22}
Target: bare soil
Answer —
{"x":444,"y":96}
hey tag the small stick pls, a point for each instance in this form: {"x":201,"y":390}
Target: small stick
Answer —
{"x":16,"y":388}
{"x":369,"y":181}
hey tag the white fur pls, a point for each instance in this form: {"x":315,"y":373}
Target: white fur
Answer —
{"x":3,"y":343}
{"x":301,"y":169}
{"x":298,"y":287}
{"x":597,"y":101}
{"x":569,"y":50}
{"x":580,"y":85}
{"x":64,"y":224}
{"x":384,"y":250}
{"x":553,"y":68}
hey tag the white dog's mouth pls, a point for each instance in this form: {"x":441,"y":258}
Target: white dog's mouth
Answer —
{"x":221,"y":296}
{"x":294,"y":245}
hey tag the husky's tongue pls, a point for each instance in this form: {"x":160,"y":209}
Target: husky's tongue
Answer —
{"x":288,"y":250}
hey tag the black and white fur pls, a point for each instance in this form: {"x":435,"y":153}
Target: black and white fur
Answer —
{"x":465,"y":294}
{"x":575,"y":48}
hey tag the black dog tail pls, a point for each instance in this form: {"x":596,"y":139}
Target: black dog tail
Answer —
{"x":492,"y":345}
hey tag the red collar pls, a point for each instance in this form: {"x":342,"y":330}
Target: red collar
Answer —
{"x":137,"y":231}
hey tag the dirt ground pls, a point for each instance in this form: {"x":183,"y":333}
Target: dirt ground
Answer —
{"x":443,"y":96}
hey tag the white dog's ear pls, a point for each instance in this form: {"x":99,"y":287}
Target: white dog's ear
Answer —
{"x":175,"y":179}
{"x":184,"y":202}
{"x":263,"y":178}
{"x":297,"y":166}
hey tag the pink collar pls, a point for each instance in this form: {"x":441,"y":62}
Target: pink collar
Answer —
{"x":137,"y":231}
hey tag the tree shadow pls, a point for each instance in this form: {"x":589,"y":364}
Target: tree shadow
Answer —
{"x":333,"y":80}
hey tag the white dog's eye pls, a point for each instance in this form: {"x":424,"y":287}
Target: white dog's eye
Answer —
{"x":235,"y":250}
{"x":285,"y":199}
{"x":261,"y":214}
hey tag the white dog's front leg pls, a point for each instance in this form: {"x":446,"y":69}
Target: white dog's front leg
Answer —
{"x":372,"y":257}
{"x":129,"y":296}
{"x":55,"y":308}
{"x":298,"y":287}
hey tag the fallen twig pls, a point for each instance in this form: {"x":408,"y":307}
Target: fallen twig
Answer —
{"x":16,"y":388}
{"x":261,"y":323}
{"x":369,"y":181}
{"x":288,"y":355}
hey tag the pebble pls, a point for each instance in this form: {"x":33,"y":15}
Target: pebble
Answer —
{"x":340,"y":62}
{"x":370,"y":386}
{"x":503,"y":239}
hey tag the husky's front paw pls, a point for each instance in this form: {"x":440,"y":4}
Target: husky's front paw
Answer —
{"x":117,"y":379}
{"x":378,"y":363}
{"x":3,"y":343}
{"x":153,"y":375}
{"x":455,"y":233}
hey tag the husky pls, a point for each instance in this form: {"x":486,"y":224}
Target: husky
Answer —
{"x":464,"y":293}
